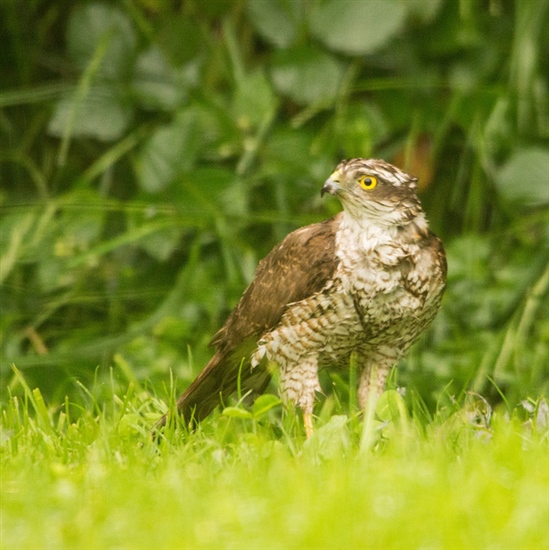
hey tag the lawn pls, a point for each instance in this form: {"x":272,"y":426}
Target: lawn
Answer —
{"x":470,"y":477}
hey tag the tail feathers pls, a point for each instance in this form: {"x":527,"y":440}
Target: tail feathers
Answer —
{"x":214,"y":385}
{"x":206,"y":392}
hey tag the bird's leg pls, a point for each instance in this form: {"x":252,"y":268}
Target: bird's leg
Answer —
{"x":298,"y":385}
{"x":372,"y":382}
{"x":308,"y":423}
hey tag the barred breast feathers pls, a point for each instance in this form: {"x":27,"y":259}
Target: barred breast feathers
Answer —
{"x":376,"y":259}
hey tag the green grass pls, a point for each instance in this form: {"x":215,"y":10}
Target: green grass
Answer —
{"x":467,"y":478}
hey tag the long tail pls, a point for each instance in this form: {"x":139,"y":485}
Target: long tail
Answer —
{"x":214,"y":385}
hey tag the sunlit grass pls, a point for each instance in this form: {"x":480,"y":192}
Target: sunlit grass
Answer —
{"x":470,"y":478}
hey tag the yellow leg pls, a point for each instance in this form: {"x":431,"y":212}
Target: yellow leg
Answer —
{"x":308,"y":423}
{"x":370,"y":388}
{"x":368,"y":427}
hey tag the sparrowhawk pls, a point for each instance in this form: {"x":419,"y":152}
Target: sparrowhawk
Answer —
{"x":367,"y":281}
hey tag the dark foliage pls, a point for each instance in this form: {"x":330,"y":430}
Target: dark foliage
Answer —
{"x":152,"y":152}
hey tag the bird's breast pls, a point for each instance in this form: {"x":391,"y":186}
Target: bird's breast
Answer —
{"x":396,"y":288}
{"x":382,"y":295}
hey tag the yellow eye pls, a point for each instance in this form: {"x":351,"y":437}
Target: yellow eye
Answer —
{"x":367,"y":182}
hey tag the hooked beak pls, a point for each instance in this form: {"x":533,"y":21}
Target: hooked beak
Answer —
{"x":331,"y":185}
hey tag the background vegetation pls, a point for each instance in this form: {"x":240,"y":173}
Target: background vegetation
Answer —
{"x":152,"y":152}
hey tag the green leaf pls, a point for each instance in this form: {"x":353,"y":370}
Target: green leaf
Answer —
{"x":41,"y":410}
{"x":161,"y":244}
{"x":218,"y":9}
{"x":253,"y":99}
{"x":158,"y":85}
{"x":288,"y":152}
{"x":357,"y":27}
{"x":391,"y":407}
{"x":237,"y":412}
{"x":87,"y":26}
{"x":424,"y":10}
{"x":207,"y":193}
{"x":180,"y":39}
{"x":171,"y":151}
{"x":331,"y":441}
{"x":307,"y":75}
{"x":102,"y":115}
{"x":524,"y":178}
{"x":70,"y":234}
{"x":276,"y":20}
{"x":265,"y":403}
{"x":14,"y":232}
{"x":354,"y":132}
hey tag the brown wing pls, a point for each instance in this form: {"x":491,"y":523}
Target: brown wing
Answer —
{"x":294,"y":270}
{"x":298,"y":267}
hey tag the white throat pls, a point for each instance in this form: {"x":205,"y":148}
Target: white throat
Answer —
{"x":358,"y":238}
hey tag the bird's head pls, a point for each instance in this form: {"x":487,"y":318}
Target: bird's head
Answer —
{"x":374,"y":190}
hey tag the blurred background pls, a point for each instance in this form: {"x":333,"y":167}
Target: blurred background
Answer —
{"x":152,"y":152}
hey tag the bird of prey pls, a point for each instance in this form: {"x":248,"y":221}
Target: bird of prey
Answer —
{"x":367,"y":281}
